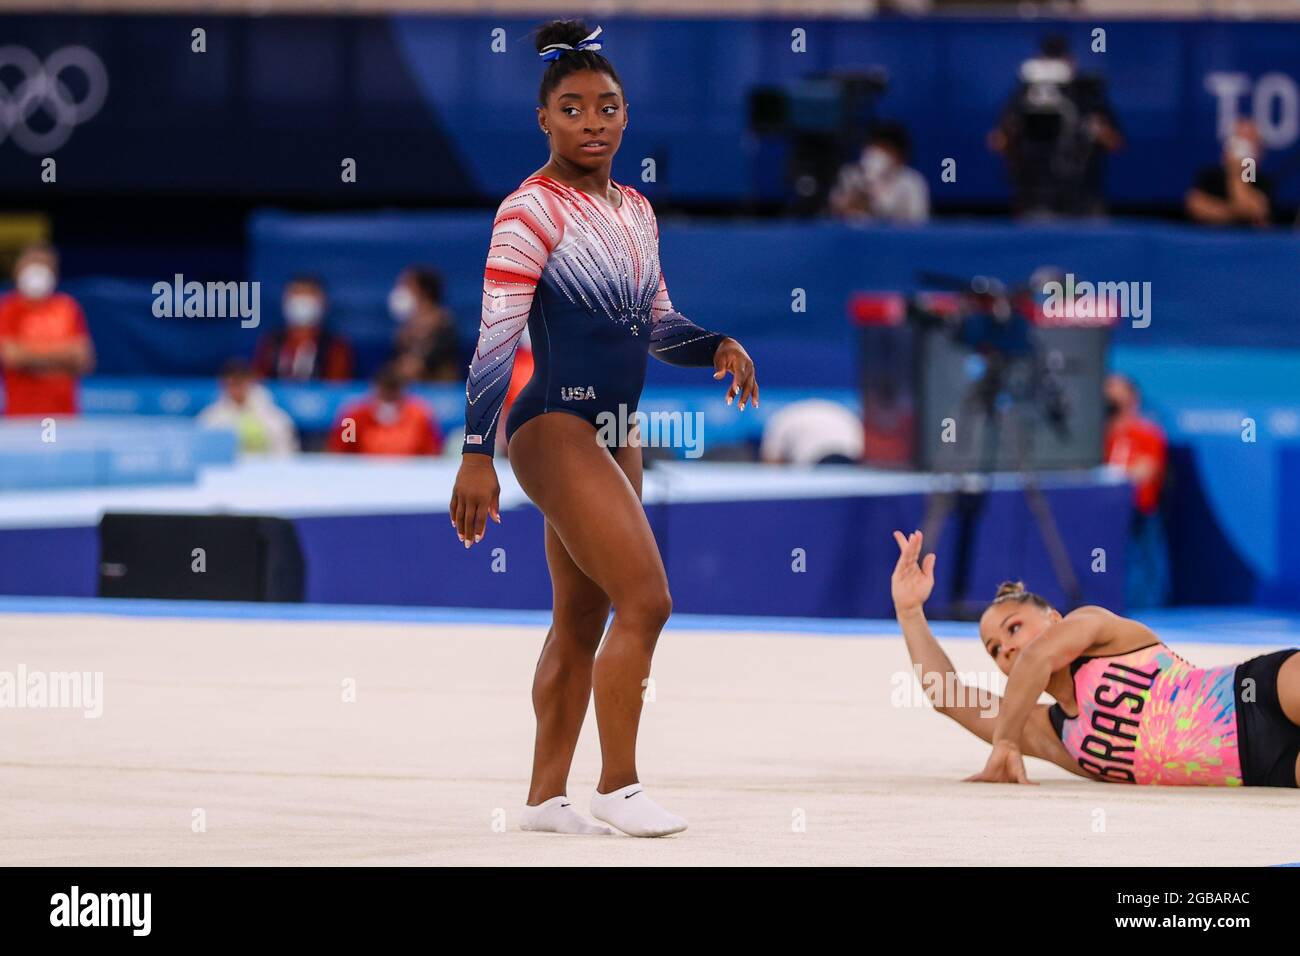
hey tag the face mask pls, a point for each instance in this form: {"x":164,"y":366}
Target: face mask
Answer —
{"x":1112,"y":408}
{"x":876,"y":162}
{"x":401,"y":303}
{"x":302,"y":310}
{"x":36,"y":281}
{"x":1240,"y":148}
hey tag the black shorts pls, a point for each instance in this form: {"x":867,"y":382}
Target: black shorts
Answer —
{"x":1267,"y":742}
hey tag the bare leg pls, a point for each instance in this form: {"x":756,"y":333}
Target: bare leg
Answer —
{"x":1288,"y":695}
{"x":562,"y":683}
{"x":595,"y":511}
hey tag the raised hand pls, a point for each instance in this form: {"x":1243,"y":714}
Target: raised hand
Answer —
{"x":911,"y":583}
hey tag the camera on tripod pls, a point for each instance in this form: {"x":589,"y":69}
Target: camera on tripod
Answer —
{"x":1013,"y":380}
{"x":968,"y":375}
{"x":1055,"y":132}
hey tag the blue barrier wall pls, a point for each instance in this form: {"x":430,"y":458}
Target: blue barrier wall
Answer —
{"x":725,"y":557}
{"x":721,"y":557}
{"x":429,"y":109}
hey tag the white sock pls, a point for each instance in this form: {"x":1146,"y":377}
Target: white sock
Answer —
{"x":634,"y":813}
{"x":557,"y":815}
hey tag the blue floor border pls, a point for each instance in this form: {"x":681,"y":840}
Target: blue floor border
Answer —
{"x":384,"y":614}
{"x":1217,"y":625}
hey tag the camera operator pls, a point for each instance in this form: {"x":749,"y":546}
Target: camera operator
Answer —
{"x":1055,"y":133}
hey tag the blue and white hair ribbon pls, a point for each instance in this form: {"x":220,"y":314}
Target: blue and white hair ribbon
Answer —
{"x":552,"y":51}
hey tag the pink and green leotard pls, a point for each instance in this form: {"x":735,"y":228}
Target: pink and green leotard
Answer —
{"x":1150,"y":717}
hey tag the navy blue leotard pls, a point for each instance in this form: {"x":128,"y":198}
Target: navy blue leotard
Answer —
{"x":584,"y":278}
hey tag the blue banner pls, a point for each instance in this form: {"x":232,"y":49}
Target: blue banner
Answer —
{"x":443,"y":108}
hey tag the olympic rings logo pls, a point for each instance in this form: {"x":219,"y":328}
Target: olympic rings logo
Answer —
{"x":42,"y":90}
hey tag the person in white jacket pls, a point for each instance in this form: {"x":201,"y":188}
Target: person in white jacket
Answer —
{"x":247,"y":409}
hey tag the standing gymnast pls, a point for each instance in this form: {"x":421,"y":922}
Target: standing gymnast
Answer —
{"x":1128,"y":709}
{"x":574,"y":257}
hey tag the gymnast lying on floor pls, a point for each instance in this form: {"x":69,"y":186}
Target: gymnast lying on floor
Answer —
{"x":1128,"y":709}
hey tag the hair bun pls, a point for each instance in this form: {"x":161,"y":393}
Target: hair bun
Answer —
{"x":560,"y":31}
{"x":1007,"y":588}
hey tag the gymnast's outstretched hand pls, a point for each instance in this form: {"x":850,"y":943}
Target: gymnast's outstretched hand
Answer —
{"x":912,"y":581}
{"x":732,"y":357}
{"x":1005,"y":765}
{"x":475,"y":496}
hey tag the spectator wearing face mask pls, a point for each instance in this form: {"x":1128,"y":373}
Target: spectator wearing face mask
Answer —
{"x":880,"y":185}
{"x":304,"y":350}
{"x":44,"y":345}
{"x":425,"y":347}
{"x":247,"y":409}
{"x":387,"y":422}
{"x":1223,"y":195}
